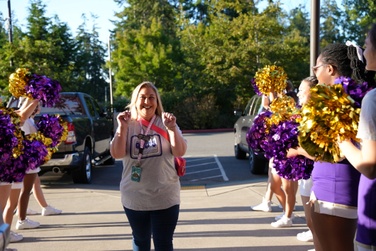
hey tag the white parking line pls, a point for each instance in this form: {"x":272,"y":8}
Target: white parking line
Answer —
{"x":225,"y":178}
{"x":217,"y":162}
{"x":206,"y":170}
{"x":206,"y":178}
{"x":203,"y":164}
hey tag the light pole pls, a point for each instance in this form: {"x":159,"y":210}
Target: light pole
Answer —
{"x":315,"y":33}
{"x":10,"y":29}
{"x":110,"y":74}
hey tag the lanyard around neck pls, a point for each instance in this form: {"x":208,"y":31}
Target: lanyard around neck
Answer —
{"x":142,"y":137}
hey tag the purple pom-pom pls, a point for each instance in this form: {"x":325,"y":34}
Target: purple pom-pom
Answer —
{"x":13,"y":169}
{"x":281,"y":138}
{"x":35,"y":151}
{"x":255,"y":87}
{"x":256,"y":136}
{"x":44,"y":89}
{"x":354,"y":90}
{"x":50,"y":127}
{"x":8,"y":139}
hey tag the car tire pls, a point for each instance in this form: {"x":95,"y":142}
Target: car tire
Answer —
{"x":239,"y":153}
{"x":84,"y":174}
{"x":257,"y":164}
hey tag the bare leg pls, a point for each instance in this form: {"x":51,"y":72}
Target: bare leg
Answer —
{"x":269,"y":192}
{"x":332,"y":232}
{"x":307,"y":212}
{"x":23,"y":202}
{"x":289,"y":187}
{"x":277,"y":190}
{"x":38,"y":193}
{"x":11,"y":205}
{"x":4,"y":195}
{"x":265,"y":205}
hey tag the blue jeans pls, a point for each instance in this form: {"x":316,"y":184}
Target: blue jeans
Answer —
{"x":160,"y":223}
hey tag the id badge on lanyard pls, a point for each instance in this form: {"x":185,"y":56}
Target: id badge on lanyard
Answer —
{"x":136,"y":168}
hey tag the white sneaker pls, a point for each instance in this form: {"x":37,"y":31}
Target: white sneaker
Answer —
{"x":14,"y":237}
{"x":305,"y":236}
{"x":265,"y":206}
{"x":281,"y":215}
{"x":26,"y":224}
{"x":49,"y":210}
{"x":31,"y":212}
{"x":283,"y":222}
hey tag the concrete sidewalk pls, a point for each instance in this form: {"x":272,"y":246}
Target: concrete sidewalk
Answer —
{"x":211,"y":219}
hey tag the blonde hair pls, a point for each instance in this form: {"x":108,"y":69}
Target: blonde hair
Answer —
{"x":132,"y":106}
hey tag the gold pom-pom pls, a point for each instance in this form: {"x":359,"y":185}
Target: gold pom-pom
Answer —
{"x":50,"y":151}
{"x":271,"y":78}
{"x":328,"y":116}
{"x":40,"y":137}
{"x":282,"y":109}
{"x":18,"y":81}
{"x":64,"y":124}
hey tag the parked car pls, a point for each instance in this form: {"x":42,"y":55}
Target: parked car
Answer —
{"x":90,"y":130}
{"x":258,"y":164}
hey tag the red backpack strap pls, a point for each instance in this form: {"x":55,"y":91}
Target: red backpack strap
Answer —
{"x":155,"y":128}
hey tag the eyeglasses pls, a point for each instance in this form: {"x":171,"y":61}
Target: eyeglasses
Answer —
{"x":314,"y":68}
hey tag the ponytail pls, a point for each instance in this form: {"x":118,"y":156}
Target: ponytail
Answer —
{"x":359,"y":72}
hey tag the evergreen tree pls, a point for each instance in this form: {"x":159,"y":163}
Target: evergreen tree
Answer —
{"x":46,"y":47}
{"x":5,"y":56}
{"x":90,"y":58}
{"x":359,"y":16}
{"x":146,"y":46}
{"x":331,"y":30}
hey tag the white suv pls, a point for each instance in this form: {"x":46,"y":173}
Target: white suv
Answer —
{"x":258,"y":163}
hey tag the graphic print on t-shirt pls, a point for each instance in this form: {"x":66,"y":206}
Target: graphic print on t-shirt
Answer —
{"x":152,"y":147}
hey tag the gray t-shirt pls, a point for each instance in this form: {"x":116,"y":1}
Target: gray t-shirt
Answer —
{"x":367,"y":120}
{"x":159,"y":186}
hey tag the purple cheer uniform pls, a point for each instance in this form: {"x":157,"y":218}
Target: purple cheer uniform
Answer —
{"x":335,"y":186}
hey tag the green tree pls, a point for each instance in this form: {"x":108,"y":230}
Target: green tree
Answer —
{"x":359,"y":15}
{"x":47,"y":47}
{"x":90,"y":62}
{"x":300,"y":21}
{"x":5,"y":56}
{"x":146,"y":46}
{"x":331,"y":30}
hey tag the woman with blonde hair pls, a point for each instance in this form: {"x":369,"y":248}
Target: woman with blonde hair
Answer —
{"x":147,"y":140}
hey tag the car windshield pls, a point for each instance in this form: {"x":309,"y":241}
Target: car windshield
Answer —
{"x":68,"y":104}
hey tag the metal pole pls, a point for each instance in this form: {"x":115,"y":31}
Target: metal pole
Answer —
{"x":315,"y":33}
{"x":10,"y":29}
{"x":110,"y":73}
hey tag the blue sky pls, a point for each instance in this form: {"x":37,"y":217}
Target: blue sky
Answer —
{"x":70,"y":11}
